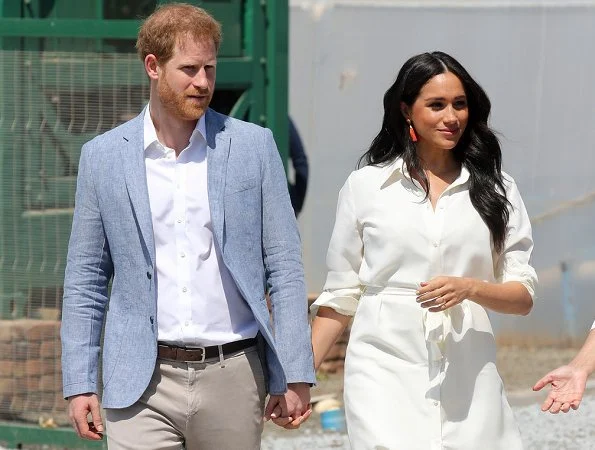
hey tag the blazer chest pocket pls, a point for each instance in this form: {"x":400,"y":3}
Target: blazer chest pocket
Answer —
{"x":234,"y":186}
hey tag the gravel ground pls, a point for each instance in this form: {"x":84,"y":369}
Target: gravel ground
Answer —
{"x":519,"y":368}
{"x":574,"y":431}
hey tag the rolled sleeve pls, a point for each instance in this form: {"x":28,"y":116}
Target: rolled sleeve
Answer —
{"x":514,"y":261}
{"x":344,"y":301}
{"x":345,"y":253}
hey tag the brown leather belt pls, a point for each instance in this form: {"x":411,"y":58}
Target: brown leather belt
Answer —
{"x":200,"y":354}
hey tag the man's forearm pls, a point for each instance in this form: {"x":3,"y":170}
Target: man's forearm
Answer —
{"x":585,"y":359}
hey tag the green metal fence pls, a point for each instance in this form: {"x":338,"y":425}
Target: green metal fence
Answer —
{"x":68,"y":71}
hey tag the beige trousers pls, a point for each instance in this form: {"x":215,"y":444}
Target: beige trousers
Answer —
{"x":215,"y":405}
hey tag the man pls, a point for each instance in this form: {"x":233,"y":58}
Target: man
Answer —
{"x":299,"y":160}
{"x":569,"y":382}
{"x":187,"y":212}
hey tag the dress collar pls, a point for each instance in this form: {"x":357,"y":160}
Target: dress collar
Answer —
{"x":396,"y":169}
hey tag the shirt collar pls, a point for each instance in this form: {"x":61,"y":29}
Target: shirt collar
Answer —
{"x":150,"y":133}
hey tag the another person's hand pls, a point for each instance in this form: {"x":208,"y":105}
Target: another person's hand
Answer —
{"x":79,"y":406}
{"x":441,"y":293}
{"x":567,"y":388}
{"x":291,"y":409}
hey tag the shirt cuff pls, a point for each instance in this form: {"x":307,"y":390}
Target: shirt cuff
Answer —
{"x":341,"y":303}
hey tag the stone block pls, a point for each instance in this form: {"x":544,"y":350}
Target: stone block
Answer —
{"x":41,"y":330}
{"x":33,"y":402}
{"x":6,"y":352}
{"x":17,"y":405}
{"x":19,"y":369}
{"x":29,"y":330}
{"x":40,"y":366}
{"x":20,"y":350}
{"x":6,"y":386}
{"x":10,"y":331}
{"x":50,"y":383}
{"x":47,"y":402}
{"x":6,"y":368}
{"x":50,"y":349}
{"x":27,"y":384}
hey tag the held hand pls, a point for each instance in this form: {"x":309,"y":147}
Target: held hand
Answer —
{"x":79,"y":406}
{"x":291,"y":409}
{"x":567,"y":388}
{"x":441,"y":293}
{"x":289,"y":423}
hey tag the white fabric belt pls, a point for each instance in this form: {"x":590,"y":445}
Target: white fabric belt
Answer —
{"x":388,"y":290}
{"x":436,"y":325}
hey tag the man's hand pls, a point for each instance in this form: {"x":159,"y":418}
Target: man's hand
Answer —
{"x":291,"y":409}
{"x":79,"y":406}
{"x":568,"y":386}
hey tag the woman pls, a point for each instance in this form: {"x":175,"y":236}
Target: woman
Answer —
{"x":428,"y":235}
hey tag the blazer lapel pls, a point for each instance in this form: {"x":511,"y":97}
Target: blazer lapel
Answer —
{"x":133,"y":163}
{"x":218,"y":144}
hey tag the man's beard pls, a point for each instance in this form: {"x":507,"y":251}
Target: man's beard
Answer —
{"x":179,"y":104}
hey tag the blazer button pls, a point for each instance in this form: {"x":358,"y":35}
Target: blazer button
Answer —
{"x":151,"y":319}
{"x":149,"y":276}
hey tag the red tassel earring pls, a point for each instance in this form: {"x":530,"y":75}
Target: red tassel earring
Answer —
{"x":412,"y":132}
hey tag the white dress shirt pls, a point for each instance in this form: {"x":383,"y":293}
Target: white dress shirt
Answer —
{"x":198,"y":302}
{"x":416,"y":379}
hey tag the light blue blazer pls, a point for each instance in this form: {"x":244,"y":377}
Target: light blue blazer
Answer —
{"x":112,"y":238}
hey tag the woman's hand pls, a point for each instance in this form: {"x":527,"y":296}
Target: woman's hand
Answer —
{"x":441,"y":293}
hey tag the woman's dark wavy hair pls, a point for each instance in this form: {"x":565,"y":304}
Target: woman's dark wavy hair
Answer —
{"x":478,"y":149}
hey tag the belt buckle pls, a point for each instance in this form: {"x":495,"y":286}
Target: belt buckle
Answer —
{"x":204,"y":354}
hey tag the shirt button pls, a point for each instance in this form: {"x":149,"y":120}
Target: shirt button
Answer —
{"x":184,"y":289}
{"x":187,"y":323}
{"x":179,"y":221}
{"x":435,"y":403}
{"x":435,"y":244}
{"x":182,"y":255}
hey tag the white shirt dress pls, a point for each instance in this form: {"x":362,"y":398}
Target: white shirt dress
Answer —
{"x":416,"y":379}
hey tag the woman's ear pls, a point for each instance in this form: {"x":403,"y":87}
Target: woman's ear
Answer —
{"x":405,"y":110}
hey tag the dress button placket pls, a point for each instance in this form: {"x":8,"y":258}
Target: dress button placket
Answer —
{"x":436,"y":361}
